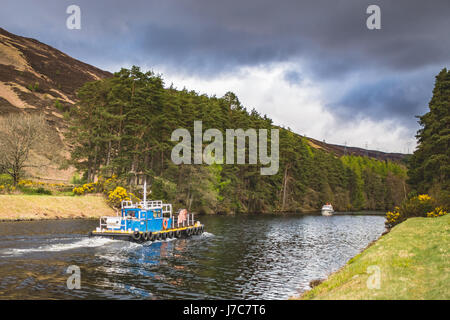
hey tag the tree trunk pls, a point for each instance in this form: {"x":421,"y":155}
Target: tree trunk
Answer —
{"x":162,"y":162}
{"x":285,"y":179}
{"x":89,"y":169}
{"x":120,"y":130}
{"x":94,"y":168}
{"x":108,"y":157}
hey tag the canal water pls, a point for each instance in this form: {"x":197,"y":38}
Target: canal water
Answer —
{"x":238,"y":257}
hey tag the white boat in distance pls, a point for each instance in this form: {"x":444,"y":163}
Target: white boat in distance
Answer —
{"x":327,"y":210}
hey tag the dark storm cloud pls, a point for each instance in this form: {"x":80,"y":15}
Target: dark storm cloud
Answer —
{"x":329,"y":39}
{"x":396,"y":98}
{"x":234,"y":33}
{"x":331,"y":36}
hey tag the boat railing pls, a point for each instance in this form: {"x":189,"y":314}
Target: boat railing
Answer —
{"x":110,"y":222}
{"x":102,"y":222}
{"x":151,"y":204}
{"x":167,"y":208}
{"x":127,"y":204}
{"x":189,"y":221}
{"x":147,"y":205}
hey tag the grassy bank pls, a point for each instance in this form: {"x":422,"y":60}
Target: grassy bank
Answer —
{"x":413,"y":259}
{"x":36,"y":207}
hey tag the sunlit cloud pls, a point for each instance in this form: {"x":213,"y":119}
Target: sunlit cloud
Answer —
{"x":300,"y":106}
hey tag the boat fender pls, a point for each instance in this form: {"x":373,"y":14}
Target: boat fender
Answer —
{"x":158,"y":236}
{"x":149,"y":236}
{"x":136,"y":236}
{"x":178,"y":234}
{"x":145,"y":236}
{"x":163,"y":236}
{"x":170,"y":234}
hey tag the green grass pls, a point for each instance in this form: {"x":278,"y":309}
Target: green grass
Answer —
{"x":5,"y":179}
{"x":414,"y":263}
{"x":34,"y":191}
{"x":43,"y":191}
{"x":37,"y":207}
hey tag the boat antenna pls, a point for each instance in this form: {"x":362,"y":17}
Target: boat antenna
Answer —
{"x":145,"y":190}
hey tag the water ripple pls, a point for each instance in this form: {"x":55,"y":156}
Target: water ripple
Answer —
{"x":241,"y":257}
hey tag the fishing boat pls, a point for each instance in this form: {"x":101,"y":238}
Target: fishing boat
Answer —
{"x":327,"y":210}
{"x":148,"y":221}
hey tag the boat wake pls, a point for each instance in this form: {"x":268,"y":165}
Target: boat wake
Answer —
{"x":84,"y":243}
{"x":206,"y":235}
{"x":57,"y":247}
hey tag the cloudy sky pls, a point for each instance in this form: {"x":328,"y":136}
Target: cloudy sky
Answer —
{"x":310,"y":65}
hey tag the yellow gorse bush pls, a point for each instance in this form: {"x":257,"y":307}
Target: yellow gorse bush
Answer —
{"x":118,"y":195}
{"x":392,"y":216}
{"x":31,"y":183}
{"x":78,"y":191}
{"x":8,"y":188}
{"x":110,"y":184}
{"x":25,"y":183}
{"x":110,"y":187}
{"x":421,"y":205}
{"x":424,"y":197}
{"x":86,"y":188}
{"x":437,"y":212}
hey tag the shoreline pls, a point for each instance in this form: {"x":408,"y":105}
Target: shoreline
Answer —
{"x":410,"y":262}
{"x":48,"y":219}
{"x":315,"y":282}
{"x":23,"y":207}
{"x":45,"y":217}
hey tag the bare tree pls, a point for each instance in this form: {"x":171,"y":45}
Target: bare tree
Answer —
{"x":19,"y":133}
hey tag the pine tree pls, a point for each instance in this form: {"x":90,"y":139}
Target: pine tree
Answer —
{"x":430,"y":164}
{"x":123,"y":124}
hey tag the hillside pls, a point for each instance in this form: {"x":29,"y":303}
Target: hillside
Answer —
{"x":346,"y":150}
{"x":34,"y":75}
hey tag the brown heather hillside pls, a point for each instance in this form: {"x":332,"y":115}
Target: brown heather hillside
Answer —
{"x":36,"y":78}
{"x":343,"y":150}
{"x":34,"y":75}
